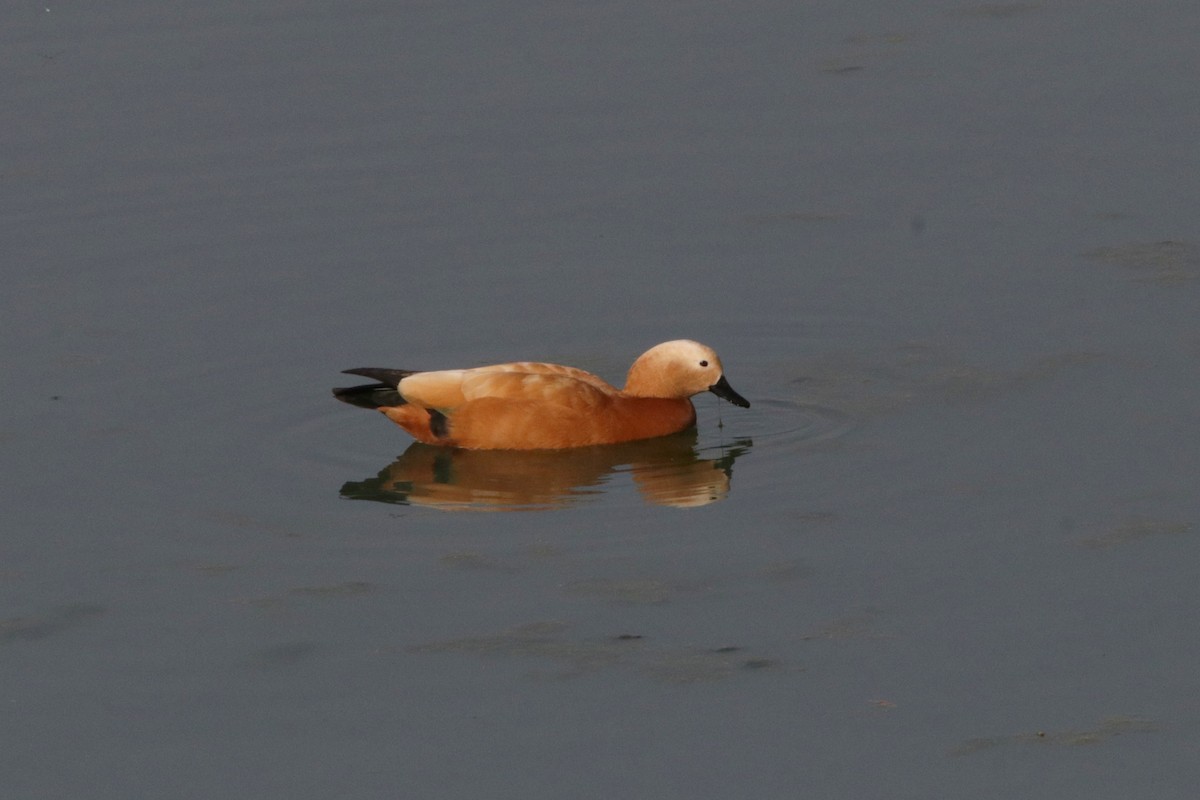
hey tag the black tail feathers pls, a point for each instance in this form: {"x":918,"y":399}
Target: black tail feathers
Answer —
{"x":374,"y":395}
{"x":389,"y":376}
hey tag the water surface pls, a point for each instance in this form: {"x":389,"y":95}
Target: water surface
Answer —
{"x":948,"y":252}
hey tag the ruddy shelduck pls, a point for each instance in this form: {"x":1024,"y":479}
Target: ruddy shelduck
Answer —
{"x":531,"y":406}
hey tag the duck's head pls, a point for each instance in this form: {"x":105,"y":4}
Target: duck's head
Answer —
{"x":679,"y":369}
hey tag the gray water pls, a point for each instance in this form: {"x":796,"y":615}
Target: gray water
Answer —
{"x":949,"y":251}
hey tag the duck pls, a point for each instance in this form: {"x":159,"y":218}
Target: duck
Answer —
{"x":526,"y":405}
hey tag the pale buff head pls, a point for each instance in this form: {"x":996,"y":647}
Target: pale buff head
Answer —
{"x":680,"y":369}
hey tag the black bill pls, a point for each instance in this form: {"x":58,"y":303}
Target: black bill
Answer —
{"x":723,"y":390}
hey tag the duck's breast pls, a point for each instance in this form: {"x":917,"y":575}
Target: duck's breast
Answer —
{"x":574,"y":420}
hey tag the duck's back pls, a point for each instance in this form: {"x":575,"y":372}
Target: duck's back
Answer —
{"x":448,"y":389}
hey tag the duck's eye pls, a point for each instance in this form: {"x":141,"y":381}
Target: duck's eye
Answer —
{"x":704,"y":363}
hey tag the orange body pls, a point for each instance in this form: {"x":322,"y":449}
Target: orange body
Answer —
{"x":532,"y":406}
{"x":492,"y":423}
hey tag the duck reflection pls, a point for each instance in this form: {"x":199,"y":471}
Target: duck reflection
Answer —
{"x":667,"y":471}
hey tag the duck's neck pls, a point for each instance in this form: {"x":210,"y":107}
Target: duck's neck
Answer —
{"x":652,"y":377}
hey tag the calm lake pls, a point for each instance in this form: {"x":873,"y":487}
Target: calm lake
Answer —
{"x":950,"y":252}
